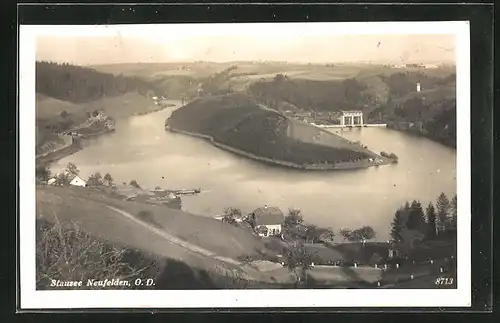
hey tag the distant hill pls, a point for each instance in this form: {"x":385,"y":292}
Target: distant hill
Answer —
{"x":237,"y":121}
{"x":81,"y":84}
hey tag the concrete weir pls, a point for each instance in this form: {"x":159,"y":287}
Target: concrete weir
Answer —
{"x":378,"y":125}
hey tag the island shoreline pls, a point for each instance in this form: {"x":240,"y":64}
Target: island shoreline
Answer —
{"x":328,"y":167}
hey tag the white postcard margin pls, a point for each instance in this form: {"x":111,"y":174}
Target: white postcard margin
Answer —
{"x":30,"y":298}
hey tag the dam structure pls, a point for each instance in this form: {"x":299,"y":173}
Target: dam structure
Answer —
{"x":350,"y":119}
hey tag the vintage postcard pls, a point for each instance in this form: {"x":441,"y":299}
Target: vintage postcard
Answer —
{"x":245,"y":165}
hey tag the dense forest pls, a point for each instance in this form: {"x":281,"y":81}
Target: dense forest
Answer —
{"x":390,"y":99}
{"x":81,"y":84}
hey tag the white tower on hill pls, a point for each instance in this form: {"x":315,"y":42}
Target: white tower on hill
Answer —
{"x":418,"y":87}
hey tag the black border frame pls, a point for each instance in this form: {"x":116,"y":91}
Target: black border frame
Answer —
{"x":481,"y":30}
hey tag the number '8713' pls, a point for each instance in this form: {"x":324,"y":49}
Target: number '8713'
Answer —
{"x":444,"y":281}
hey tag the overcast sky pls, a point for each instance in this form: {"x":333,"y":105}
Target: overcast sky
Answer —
{"x":234,"y":42}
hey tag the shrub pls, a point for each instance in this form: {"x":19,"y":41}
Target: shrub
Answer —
{"x":134,"y":184}
{"x":71,"y":254}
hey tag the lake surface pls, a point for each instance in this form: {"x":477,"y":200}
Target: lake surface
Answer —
{"x":141,"y":149}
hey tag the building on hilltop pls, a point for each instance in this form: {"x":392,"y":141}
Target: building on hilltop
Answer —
{"x":268,"y":221}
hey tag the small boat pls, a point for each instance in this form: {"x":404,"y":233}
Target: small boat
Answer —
{"x":188,"y":192}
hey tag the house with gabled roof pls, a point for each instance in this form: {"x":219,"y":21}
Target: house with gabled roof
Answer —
{"x":76,"y":181}
{"x":268,"y":221}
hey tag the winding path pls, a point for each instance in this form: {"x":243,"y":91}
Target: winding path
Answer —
{"x":173,"y":239}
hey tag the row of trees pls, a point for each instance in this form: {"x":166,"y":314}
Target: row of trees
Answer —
{"x":310,"y":95}
{"x":430,"y":224}
{"x":97,"y":179}
{"x":81,"y":84}
{"x":296,"y":229}
{"x":43,"y":174}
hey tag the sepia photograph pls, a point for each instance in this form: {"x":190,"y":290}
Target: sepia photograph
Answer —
{"x":320,"y":164}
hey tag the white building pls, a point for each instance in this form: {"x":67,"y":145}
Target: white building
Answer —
{"x":77,"y":181}
{"x":65,"y":177}
{"x":268,"y":221}
{"x":351,"y":118}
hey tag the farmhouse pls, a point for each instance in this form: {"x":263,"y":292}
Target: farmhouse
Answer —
{"x":77,"y":181}
{"x":65,"y":177}
{"x":268,"y":221}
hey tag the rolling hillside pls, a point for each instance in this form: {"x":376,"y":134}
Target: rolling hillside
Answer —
{"x":240,"y":123}
{"x":67,"y":95}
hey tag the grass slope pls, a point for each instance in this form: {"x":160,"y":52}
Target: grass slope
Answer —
{"x":238,"y":122}
{"x":88,"y":208}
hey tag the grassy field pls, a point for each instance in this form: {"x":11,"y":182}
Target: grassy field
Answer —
{"x":117,"y":107}
{"x":195,"y":69}
{"x":85,"y":213}
{"x":76,"y":204}
{"x":314,"y":135}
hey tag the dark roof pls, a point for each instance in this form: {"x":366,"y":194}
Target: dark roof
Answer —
{"x":268,"y":215}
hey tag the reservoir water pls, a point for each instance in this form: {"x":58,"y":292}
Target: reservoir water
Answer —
{"x":141,"y":149}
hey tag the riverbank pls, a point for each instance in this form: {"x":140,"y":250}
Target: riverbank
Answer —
{"x":315,"y":167}
{"x":162,"y":107}
{"x":76,"y":146}
{"x":403,"y":127}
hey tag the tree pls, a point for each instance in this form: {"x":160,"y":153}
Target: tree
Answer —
{"x":280,"y":77}
{"x":42,"y":172}
{"x":95,"y":179}
{"x":108,"y":180}
{"x":406,"y":206}
{"x":366,"y":232}
{"x":326,"y":235}
{"x":230,"y":215}
{"x":345,"y":234}
{"x":293,"y":218}
{"x":431,"y":220}
{"x":250,"y":219}
{"x":62,"y":179}
{"x":416,"y":217}
{"x":454,"y":211}
{"x":311,"y":233}
{"x":443,"y":211}
{"x":362,"y":234}
{"x":72,"y":169}
{"x":134,"y":184}
{"x":397,"y":226}
{"x":299,"y":260}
